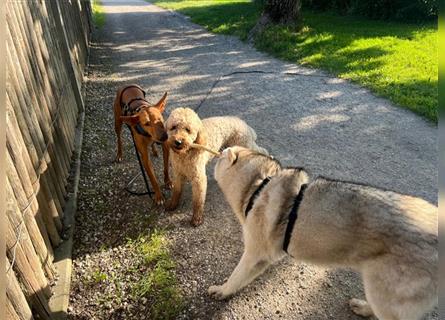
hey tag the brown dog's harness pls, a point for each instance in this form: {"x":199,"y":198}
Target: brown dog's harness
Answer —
{"x":128,"y":110}
{"x":293,"y":215}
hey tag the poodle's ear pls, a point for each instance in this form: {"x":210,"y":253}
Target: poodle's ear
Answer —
{"x":131,"y":120}
{"x":201,"y":138}
{"x":161,"y":103}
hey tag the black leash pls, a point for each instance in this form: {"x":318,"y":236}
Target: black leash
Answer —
{"x":293,"y":217}
{"x":215,"y":83}
{"x":127,"y":188}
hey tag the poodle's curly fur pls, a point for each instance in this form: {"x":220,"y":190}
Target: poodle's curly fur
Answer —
{"x":184,"y":127}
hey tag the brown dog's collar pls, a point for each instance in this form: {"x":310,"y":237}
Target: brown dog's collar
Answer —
{"x":141,"y":130}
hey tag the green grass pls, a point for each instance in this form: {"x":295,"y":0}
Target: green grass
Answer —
{"x":395,"y":60}
{"x":145,"y":272}
{"x":98,"y":14}
{"x":99,"y":276}
{"x":159,"y":285}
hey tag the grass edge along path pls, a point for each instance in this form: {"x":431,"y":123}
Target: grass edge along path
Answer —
{"x":398,"y":61}
{"x":98,"y":13}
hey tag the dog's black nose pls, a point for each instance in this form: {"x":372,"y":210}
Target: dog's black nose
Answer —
{"x":178,"y":143}
{"x":164,"y":137}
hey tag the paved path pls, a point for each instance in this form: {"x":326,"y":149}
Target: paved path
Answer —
{"x":302,"y":116}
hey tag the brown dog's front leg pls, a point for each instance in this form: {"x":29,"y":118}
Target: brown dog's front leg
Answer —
{"x":166,"y":153}
{"x":199,"y":189}
{"x":172,"y":204}
{"x":159,"y":198}
{"x":154,"y":152}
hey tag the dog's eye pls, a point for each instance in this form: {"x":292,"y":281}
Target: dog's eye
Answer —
{"x":147,"y":123}
{"x":173,"y":128}
{"x":187,"y":129}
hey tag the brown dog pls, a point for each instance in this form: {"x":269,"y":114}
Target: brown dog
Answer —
{"x":147,"y":125}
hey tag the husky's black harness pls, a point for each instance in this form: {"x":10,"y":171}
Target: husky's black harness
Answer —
{"x":293,"y":215}
{"x":255,"y":195}
{"x":128,"y":110}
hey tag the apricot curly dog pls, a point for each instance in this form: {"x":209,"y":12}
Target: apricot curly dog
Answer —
{"x":185,"y":128}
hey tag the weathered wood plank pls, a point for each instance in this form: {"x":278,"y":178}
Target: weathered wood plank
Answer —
{"x":39,"y":99}
{"x":15,"y":295}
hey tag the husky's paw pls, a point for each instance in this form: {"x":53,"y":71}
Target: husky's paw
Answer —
{"x":360,"y":307}
{"x":217,"y":292}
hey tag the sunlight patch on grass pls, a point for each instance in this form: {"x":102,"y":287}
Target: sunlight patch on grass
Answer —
{"x":159,"y":284}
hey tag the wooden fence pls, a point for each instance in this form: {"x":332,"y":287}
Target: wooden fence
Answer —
{"x":47,"y":51}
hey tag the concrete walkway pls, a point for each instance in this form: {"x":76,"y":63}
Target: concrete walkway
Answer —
{"x":302,"y":116}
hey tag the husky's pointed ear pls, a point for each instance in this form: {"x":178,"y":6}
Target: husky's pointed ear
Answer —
{"x":201,"y":138}
{"x":161,"y":103}
{"x":230,"y":154}
{"x":131,"y":120}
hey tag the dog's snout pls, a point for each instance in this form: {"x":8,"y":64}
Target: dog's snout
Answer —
{"x":178,"y":143}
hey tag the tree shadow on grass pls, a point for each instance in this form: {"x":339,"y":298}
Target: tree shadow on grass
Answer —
{"x":225,"y":18}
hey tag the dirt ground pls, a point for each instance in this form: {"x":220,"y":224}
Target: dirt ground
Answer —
{"x":309,"y":119}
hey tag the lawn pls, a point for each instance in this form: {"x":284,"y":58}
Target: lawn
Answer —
{"x":395,"y":60}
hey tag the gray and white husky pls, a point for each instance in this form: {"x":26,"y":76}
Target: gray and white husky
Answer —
{"x":390,"y":238}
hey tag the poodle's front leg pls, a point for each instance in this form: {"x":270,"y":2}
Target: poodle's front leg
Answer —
{"x":178,"y":181}
{"x":199,"y":189}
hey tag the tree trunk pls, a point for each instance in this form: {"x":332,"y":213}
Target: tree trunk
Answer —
{"x":278,"y":12}
{"x":283,"y":11}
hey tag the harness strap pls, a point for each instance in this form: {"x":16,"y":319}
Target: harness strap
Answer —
{"x":136,"y":99}
{"x":255,"y":195}
{"x":141,"y":130}
{"x":126,"y":107}
{"x":293,"y":215}
{"x":131,"y":86}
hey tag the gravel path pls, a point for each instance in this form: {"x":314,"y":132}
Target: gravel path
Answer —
{"x":302,"y":116}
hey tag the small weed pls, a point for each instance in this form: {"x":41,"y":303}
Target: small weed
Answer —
{"x":98,"y":276}
{"x":154,"y":250}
